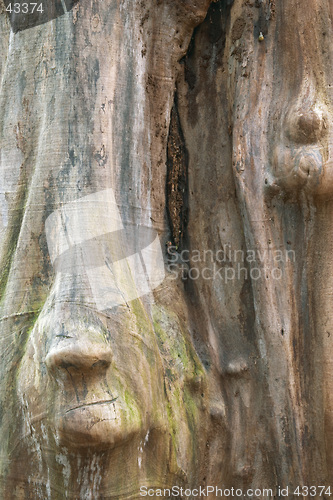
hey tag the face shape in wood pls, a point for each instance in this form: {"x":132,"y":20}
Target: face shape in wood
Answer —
{"x":282,"y":146}
{"x":302,"y":110}
{"x":101,"y":268}
{"x":96,"y":377}
{"x":287,"y":79}
{"x":95,"y":393}
{"x":302,"y":157}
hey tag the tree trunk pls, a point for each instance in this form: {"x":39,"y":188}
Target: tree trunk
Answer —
{"x":166,"y":276}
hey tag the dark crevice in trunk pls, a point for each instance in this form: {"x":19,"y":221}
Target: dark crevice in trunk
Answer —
{"x":177,"y":179}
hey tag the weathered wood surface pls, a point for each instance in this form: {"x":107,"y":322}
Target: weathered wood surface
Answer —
{"x":219,"y":143}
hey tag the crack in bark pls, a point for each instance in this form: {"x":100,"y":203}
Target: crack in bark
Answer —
{"x":104,"y":401}
{"x":177,"y":178}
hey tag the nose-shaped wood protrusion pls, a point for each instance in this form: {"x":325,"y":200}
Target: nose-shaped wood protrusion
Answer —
{"x":306,"y":121}
{"x":83,"y":356}
{"x":307,"y":127}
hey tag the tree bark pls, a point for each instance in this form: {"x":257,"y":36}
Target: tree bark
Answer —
{"x":200,"y":131}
